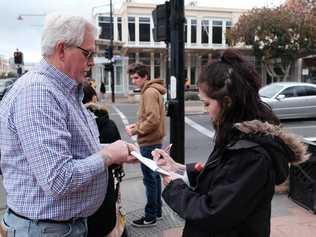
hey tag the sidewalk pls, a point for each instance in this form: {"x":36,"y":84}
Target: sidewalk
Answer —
{"x":288,"y":218}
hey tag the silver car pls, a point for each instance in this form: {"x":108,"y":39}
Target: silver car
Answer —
{"x":290,"y":99}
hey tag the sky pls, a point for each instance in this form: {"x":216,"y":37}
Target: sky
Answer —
{"x":25,"y":34}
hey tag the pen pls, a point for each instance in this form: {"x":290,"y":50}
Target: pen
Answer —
{"x":167,"y":148}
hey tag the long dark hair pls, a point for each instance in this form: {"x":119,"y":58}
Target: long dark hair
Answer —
{"x":88,"y":93}
{"x":234,"y":83}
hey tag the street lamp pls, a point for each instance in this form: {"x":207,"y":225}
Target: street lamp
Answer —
{"x":21,"y":16}
{"x":111,"y":52}
{"x":108,"y":54}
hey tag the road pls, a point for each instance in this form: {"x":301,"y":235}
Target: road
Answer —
{"x":198,"y":133}
{"x":198,"y":130}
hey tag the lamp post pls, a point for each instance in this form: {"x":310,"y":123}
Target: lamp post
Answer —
{"x":111,"y":53}
{"x":21,"y":16}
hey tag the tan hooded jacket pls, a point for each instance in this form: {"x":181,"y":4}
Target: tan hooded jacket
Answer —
{"x":150,"y":126}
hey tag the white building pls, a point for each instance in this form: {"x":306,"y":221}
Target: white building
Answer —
{"x":205,"y":31}
{"x":4,"y":65}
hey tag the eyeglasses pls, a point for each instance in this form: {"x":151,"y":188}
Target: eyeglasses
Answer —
{"x":88,"y":54}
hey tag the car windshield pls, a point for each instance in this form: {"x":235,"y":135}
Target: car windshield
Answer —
{"x":270,"y":90}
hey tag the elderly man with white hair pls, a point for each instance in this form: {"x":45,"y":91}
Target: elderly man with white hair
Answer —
{"x":54,"y":168}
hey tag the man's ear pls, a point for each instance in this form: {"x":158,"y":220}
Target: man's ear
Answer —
{"x":60,"y":51}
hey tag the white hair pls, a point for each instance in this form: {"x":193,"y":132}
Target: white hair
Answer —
{"x":64,"y":28}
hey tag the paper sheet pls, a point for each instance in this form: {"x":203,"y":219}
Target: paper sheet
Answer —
{"x":149,"y":163}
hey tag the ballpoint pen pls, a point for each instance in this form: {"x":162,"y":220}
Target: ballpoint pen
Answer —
{"x":167,"y":148}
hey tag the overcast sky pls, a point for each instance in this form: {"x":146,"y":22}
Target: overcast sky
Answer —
{"x":25,"y":35}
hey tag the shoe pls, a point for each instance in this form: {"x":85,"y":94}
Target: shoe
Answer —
{"x":158,"y":218}
{"x":143,"y":223}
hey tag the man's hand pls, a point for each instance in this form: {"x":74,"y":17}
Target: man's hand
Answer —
{"x":115,"y":153}
{"x":129,"y":129}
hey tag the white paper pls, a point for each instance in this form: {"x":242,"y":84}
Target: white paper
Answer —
{"x":149,"y":163}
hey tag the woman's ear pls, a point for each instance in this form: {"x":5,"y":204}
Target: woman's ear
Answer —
{"x":227,"y":101}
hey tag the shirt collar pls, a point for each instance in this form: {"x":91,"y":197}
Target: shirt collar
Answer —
{"x":61,"y":78}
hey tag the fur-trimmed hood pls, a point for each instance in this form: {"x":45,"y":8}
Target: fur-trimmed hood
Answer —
{"x":291,"y":140}
{"x":282,"y":146}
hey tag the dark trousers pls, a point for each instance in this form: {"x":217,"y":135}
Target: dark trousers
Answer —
{"x":152,"y":184}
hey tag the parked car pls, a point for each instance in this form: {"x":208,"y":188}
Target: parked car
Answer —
{"x":5,"y":84}
{"x":290,"y":100}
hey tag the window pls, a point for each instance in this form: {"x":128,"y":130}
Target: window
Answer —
{"x":131,"y":58}
{"x":144,"y":29}
{"x":204,"y":59}
{"x":228,"y":28}
{"x":300,"y":91}
{"x":205,"y":31}
{"x":131,"y":28}
{"x":192,"y":76}
{"x":104,"y":23}
{"x":217,"y":32}
{"x":119,"y":28}
{"x":310,"y":91}
{"x":288,"y":92}
{"x":193,"y":31}
{"x":305,"y":91}
{"x":157,"y":65}
{"x":144,"y":58}
{"x":185,"y":32}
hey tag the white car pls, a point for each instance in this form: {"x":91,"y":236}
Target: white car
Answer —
{"x":290,"y":100}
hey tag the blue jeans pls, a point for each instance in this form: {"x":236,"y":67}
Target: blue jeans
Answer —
{"x":20,"y":227}
{"x":152,"y":184}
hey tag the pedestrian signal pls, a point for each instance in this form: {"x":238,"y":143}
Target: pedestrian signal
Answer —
{"x":18,"y":57}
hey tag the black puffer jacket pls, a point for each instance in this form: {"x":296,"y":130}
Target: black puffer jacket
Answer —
{"x":103,"y":220}
{"x":231,"y":196}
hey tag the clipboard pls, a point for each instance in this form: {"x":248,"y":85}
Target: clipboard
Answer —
{"x":149,"y":163}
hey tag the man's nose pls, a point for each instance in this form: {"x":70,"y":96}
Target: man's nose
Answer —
{"x":91,"y":62}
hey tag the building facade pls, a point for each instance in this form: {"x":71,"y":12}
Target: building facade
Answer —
{"x":4,"y":66}
{"x":205,"y":32}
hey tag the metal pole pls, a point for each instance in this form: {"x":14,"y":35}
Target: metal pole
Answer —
{"x":111,"y":54}
{"x":177,"y":20}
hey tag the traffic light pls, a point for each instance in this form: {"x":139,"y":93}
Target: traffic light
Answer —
{"x":161,"y":22}
{"x":108,"y":53}
{"x":19,"y":71}
{"x":108,"y":66}
{"x":18,"y":57}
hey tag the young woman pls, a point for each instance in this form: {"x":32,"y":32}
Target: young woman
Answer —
{"x":231,"y":195}
{"x":102,"y":222}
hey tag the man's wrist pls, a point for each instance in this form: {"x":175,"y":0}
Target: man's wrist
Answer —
{"x":108,"y":161}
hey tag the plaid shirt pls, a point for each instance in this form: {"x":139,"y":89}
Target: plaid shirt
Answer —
{"x":48,"y":143}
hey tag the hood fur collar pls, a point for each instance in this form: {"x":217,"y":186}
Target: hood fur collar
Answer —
{"x":293,"y":141}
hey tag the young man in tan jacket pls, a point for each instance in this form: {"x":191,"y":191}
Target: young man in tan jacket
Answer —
{"x":150,"y":130}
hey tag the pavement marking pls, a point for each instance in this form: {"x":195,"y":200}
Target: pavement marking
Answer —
{"x":311,"y":139}
{"x":199,"y":128}
{"x":124,"y":120}
{"x":300,"y":127}
{"x":195,"y":125}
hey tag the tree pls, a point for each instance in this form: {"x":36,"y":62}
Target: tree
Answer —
{"x":278,"y":36}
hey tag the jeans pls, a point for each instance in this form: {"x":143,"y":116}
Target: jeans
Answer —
{"x":152,"y":184}
{"x":20,"y":227}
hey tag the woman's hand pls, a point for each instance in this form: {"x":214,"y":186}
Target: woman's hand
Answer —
{"x":163,"y":160}
{"x":166,"y":179}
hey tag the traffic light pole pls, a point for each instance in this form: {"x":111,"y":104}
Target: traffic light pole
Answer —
{"x":176,"y":113}
{"x":111,"y":54}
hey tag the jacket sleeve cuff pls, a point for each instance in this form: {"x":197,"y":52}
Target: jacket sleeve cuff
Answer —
{"x":192,"y":174}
